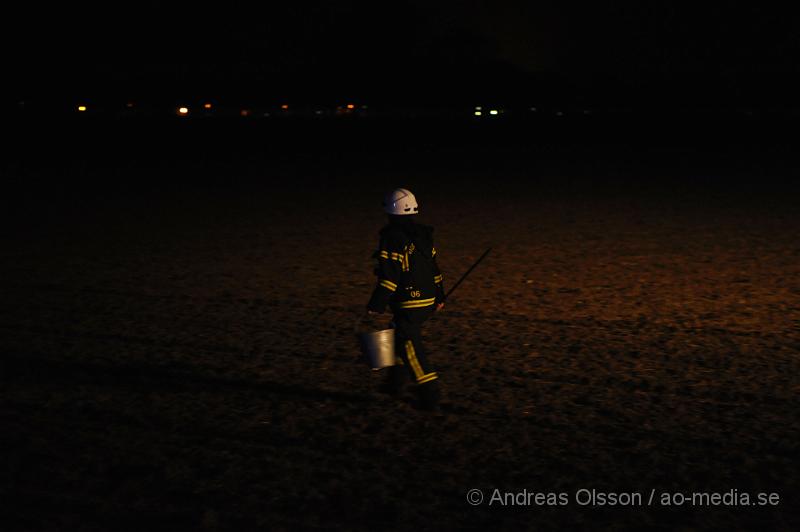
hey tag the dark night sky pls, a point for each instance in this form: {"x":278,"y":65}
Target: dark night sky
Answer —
{"x":413,"y":49}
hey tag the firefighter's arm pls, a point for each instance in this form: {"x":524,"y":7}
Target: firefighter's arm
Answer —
{"x":388,"y":272}
{"x":438,"y":280}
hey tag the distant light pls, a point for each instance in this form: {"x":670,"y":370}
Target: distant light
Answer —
{"x":363,"y":106}
{"x":206,"y":106}
{"x":183,"y":110}
{"x":350,"y":106}
{"x":129,"y":105}
{"x":318,"y":112}
{"x":533,"y":109}
{"x":245,"y":112}
{"x":559,"y":113}
{"x":493,"y":112}
{"x":81,"y":108}
{"x":478,"y":108}
{"x":284,"y":107}
{"x":478,"y":113}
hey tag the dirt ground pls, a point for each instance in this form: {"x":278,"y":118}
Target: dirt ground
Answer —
{"x":186,"y":359}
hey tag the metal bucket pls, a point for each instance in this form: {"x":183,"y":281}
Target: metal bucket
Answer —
{"x":378,"y":348}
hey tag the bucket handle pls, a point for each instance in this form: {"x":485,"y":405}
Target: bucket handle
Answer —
{"x":359,"y":319}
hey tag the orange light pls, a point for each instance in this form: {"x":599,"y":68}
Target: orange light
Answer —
{"x":183,"y":110}
{"x":350,"y":106}
{"x":284,"y":106}
{"x":81,"y":108}
{"x":245,"y":112}
{"x":206,"y":106}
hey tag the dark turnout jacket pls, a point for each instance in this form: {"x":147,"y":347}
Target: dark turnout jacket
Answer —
{"x":408,"y":276}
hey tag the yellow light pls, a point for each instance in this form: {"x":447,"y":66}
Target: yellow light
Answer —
{"x":81,"y":108}
{"x":183,"y":110}
{"x":478,"y":113}
{"x":206,"y":106}
{"x":493,"y":112}
{"x":478,"y":108}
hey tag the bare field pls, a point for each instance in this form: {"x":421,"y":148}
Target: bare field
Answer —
{"x":187,"y":361}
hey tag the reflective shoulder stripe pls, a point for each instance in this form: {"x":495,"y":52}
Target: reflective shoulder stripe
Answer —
{"x":388,"y":284}
{"x":437,"y":278}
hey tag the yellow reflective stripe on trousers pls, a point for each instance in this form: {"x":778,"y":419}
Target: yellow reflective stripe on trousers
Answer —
{"x":417,"y":303}
{"x":412,"y":359}
{"x":388,"y":284}
{"x":427,"y":378}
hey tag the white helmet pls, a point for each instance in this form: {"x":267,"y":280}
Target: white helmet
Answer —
{"x":400,"y":201}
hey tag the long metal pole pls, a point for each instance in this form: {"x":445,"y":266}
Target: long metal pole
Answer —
{"x":467,"y":273}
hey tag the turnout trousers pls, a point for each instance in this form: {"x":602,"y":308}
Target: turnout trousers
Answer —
{"x":412,"y":355}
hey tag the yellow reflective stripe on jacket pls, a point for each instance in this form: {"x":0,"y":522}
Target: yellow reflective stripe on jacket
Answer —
{"x":394,"y":256}
{"x":433,"y":252}
{"x":417,"y":303}
{"x":437,"y":279}
{"x":388,"y":284}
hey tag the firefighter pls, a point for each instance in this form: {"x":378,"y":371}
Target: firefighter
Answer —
{"x":410,"y":283}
